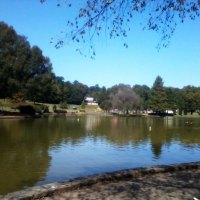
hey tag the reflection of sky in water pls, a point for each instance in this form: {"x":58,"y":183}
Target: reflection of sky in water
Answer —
{"x":92,"y":156}
{"x":38,"y":151}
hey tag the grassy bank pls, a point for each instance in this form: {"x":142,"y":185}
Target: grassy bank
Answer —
{"x":8,"y":107}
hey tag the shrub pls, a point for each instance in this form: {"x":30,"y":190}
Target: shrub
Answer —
{"x":60,"y":111}
{"x":83,"y":105}
{"x":63,"y":105}
{"x":45,"y":109}
{"x":18,"y":98}
{"x":54,"y":108}
{"x":27,"y":109}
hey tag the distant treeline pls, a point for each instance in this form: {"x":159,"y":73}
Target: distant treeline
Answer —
{"x":26,"y":74}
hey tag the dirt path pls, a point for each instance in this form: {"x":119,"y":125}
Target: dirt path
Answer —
{"x":170,"y":185}
{"x":181,"y":181}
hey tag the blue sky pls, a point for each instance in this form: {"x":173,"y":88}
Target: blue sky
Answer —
{"x":178,"y":65}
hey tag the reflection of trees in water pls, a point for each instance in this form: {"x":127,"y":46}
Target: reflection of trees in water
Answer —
{"x":91,"y":122}
{"x":184,"y":130}
{"x":24,"y":147}
{"x":122,"y":131}
{"x":23,"y":160}
{"x":135,"y":131}
{"x":158,"y":136}
{"x":24,"y":144}
{"x":168,"y":130}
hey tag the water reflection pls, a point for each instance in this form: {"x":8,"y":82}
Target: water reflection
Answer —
{"x":52,"y":149}
{"x":24,"y":157}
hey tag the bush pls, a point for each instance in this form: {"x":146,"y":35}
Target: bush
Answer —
{"x":63,"y":105}
{"x":45,"y":109}
{"x":41,"y":108}
{"x":18,"y":97}
{"x":54,"y":108}
{"x":83,"y":105}
{"x":27,"y":109}
{"x":60,"y":111}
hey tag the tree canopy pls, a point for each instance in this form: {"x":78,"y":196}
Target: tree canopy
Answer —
{"x":26,"y":74}
{"x":114,"y":17}
{"x":122,"y":97}
{"x":158,"y":97}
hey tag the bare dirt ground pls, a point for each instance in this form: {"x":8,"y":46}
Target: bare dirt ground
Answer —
{"x":172,"y":185}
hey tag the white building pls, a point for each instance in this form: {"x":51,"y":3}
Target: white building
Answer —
{"x":90,"y":101}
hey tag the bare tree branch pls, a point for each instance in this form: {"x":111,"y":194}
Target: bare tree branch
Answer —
{"x":115,"y":18}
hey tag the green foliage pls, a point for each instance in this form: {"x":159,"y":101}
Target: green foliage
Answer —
{"x":77,"y":92}
{"x":41,"y":108}
{"x":18,"y":98}
{"x":158,"y":97}
{"x":59,"y":111}
{"x":32,"y":109}
{"x":14,"y":51}
{"x":54,"y":108}
{"x":1,"y":107}
{"x":191,"y":98}
{"x":45,"y":109}
{"x":24,"y":70}
{"x":106,"y":105}
{"x":83,"y":105}
{"x":26,"y":74}
{"x":173,"y":98}
{"x":64,"y":105}
{"x":143,"y":92}
{"x":102,"y":96}
{"x":27,"y":109}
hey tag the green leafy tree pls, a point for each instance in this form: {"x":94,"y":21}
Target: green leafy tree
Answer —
{"x":14,"y":57}
{"x":24,"y":69}
{"x":77,"y":93}
{"x":101,"y":95}
{"x":103,"y":99}
{"x":83,"y":105}
{"x":158,"y":97}
{"x":173,"y":98}
{"x":64,"y":105}
{"x":180,"y":102}
{"x":43,"y":88}
{"x":42,"y":84}
{"x":106,"y":105}
{"x":143,"y":92}
{"x":54,"y":108}
{"x":61,"y":87}
{"x":94,"y":91}
{"x":191,"y":96}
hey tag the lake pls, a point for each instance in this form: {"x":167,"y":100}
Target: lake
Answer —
{"x":39,"y":151}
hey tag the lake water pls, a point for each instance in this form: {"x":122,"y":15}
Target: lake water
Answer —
{"x":40,"y":151}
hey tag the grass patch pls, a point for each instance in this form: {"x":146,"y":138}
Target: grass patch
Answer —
{"x":6,"y":105}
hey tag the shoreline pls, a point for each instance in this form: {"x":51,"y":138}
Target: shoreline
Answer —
{"x":19,"y":117}
{"x":85,"y":183}
{"x":81,"y":114}
{"x":50,"y":115}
